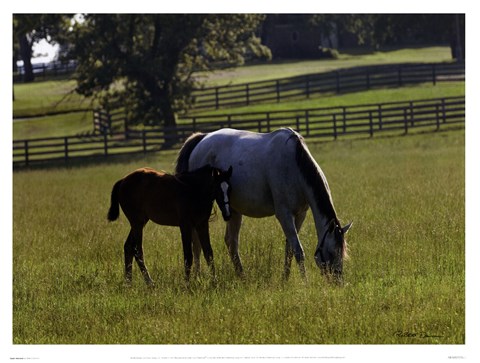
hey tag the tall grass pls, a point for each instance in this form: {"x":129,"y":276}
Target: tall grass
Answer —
{"x":405,"y":274}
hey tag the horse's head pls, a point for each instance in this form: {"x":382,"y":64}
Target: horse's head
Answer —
{"x":222,"y":190}
{"x":331,"y":249}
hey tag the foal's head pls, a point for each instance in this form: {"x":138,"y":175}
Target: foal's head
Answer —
{"x":222,"y":189}
{"x":331,"y":250}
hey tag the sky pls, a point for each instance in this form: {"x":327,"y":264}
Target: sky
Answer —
{"x":47,"y":52}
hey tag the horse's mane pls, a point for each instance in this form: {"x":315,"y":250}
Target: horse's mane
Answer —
{"x":314,"y":178}
{"x":181,"y":164}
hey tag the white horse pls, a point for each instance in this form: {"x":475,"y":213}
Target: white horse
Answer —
{"x":274,"y":174}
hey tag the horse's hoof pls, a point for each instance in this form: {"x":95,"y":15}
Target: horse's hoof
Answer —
{"x":150,"y":283}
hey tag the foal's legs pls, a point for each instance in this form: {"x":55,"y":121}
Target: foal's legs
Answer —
{"x":299,"y":219}
{"x":197,"y":249}
{"x":186,"y":231}
{"x":133,"y":248}
{"x":293,"y":245}
{"x":129,"y":251}
{"x":141,"y":261}
{"x":231,"y":239}
{"x":204,"y":237}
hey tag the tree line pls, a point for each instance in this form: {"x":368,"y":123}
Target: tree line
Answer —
{"x":147,"y":62}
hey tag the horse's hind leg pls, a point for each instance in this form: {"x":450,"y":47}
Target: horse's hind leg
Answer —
{"x":129,"y":251}
{"x":231,"y":239}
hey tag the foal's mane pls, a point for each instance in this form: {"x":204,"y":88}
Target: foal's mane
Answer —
{"x":187,"y":178}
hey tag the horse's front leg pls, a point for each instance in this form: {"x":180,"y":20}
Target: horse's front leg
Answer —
{"x":299,"y":219}
{"x":204,"y":237}
{"x":287,"y":221}
{"x":231,"y":240}
{"x":186,"y":232}
{"x":197,"y":249}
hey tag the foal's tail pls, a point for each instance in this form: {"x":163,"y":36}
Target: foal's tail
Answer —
{"x":181,"y":164}
{"x":114,"y":210}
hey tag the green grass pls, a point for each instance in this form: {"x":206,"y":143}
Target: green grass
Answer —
{"x":51,"y":126}
{"x":47,"y":97}
{"x":282,"y":69}
{"x":417,"y":92}
{"x":406,"y":270}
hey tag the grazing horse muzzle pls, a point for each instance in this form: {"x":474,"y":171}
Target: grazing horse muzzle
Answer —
{"x":331,"y":250}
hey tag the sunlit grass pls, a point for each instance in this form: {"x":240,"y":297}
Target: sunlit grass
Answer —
{"x":405,"y":273}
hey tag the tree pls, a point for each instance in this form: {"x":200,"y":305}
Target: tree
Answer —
{"x":147,"y":62}
{"x":379,"y":30}
{"x":30,"y":28}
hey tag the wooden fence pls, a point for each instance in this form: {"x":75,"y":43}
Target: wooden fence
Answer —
{"x":320,"y":123}
{"x":341,"y":81}
{"x":108,"y":122}
{"x":44,"y":70}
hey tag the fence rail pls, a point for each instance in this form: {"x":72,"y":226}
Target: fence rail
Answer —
{"x":55,"y":68}
{"x":341,"y":81}
{"x":322,"y":123}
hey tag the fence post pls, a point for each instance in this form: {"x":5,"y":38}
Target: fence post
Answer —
{"x":434,"y":74}
{"x":307,"y":86}
{"x":411,"y":114}
{"x":144,"y":141}
{"x":95,"y":120}
{"x":247,"y":94}
{"x":307,"y":121}
{"x":268,"y":121}
{"x":380,"y":126}
{"x":444,"y":115}
{"x":405,"y":120}
{"x":368,"y":79}
{"x":110,"y":131}
{"x":277,"y":86}
{"x":26,"y":153}
{"x":194,"y":124}
{"x":66,"y":148}
{"x":105,"y":144}
{"x":298,"y":123}
{"x":400,"y":76}
{"x":344,"y":119}
{"x":334,"y":126}
{"x":337,"y":80}
{"x":437,"y":118}
{"x":370,"y":120}
{"x":217,"y":102}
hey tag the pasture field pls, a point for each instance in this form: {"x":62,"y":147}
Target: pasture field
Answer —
{"x":404,"y":280}
{"x":81,"y":122}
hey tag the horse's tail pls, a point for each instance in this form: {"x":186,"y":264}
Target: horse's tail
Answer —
{"x":181,"y":164}
{"x":114,"y":210}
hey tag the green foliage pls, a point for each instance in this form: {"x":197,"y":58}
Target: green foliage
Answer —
{"x":406,"y":271}
{"x":146,"y":62}
{"x":379,"y":30}
{"x":31,"y":28}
